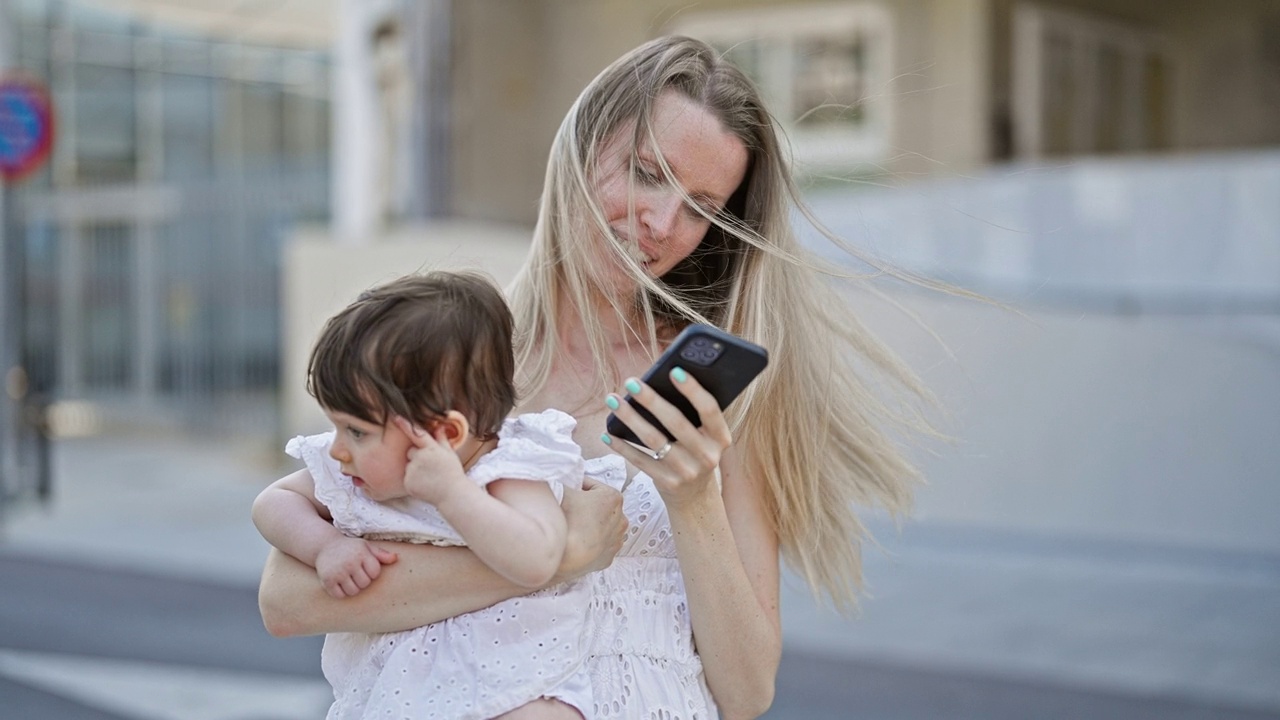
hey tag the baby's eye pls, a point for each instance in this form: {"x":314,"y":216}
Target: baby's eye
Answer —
{"x":355,"y":433}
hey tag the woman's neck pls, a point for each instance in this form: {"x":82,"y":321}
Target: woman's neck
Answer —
{"x":614,"y":328}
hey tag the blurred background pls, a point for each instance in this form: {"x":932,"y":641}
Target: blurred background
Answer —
{"x":191,"y":187}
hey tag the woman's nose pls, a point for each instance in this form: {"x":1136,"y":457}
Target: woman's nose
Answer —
{"x":661,"y":213}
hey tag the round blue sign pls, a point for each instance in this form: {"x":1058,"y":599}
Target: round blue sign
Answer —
{"x":26,"y":126}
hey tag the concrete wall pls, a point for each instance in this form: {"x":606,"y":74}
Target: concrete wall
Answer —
{"x":1155,"y":431}
{"x":320,"y":277}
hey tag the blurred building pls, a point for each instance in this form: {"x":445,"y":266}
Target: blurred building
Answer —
{"x":891,"y":89}
{"x":193,"y":138}
{"x":190,"y":139}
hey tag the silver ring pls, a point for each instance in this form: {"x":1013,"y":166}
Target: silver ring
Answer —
{"x":662,"y":452}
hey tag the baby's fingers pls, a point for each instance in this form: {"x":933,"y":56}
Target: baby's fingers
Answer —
{"x":334,"y":589}
{"x":384,"y":556}
{"x":416,"y":435}
{"x":370,"y":569}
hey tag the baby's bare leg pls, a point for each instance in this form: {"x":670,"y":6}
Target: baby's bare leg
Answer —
{"x":542,"y":709}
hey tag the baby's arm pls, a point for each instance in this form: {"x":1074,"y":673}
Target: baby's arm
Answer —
{"x":515,"y":526}
{"x":428,"y":584}
{"x":290,"y":518}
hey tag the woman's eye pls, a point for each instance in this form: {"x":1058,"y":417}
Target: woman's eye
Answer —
{"x":645,"y":176}
{"x":698,"y":211}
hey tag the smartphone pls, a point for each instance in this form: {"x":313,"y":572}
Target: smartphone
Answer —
{"x":724,"y":364}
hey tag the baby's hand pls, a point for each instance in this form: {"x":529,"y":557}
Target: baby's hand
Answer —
{"x":348,"y":565}
{"x":433,"y":467}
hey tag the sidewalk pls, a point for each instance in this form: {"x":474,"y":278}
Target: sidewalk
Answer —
{"x":1132,"y":620}
{"x":169,"y":507}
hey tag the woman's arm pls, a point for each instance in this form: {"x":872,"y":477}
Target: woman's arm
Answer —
{"x":428,"y":584}
{"x":425,"y":585}
{"x":727,"y":548}
{"x":729,"y":558}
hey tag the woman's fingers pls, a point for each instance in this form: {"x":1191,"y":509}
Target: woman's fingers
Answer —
{"x":714,"y":424}
{"x":648,"y":434}
{"x":596,"y":525}
{"x":714,"y":427}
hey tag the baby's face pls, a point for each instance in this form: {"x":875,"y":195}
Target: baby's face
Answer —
{"x":373,"y":455}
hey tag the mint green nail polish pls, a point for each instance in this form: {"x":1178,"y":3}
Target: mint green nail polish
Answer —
{"x":606,"y":439}
{"x":611,"y":401}
{"x":679,"y":375}
{"x":632,"y":386}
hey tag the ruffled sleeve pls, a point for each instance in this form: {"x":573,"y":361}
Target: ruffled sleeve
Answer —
{"x":534,"y":446}
{"x":332,"y":489}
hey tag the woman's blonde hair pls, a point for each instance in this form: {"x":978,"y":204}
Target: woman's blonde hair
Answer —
{"x":814,"y":430}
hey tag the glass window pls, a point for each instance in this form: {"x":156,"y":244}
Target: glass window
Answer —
{"x":106,"y":117}
{"x":814,"y":65}
{"x":188,"y":126}
{"x":1087,"y":84}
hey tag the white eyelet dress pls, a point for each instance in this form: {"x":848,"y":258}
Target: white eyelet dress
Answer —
{"x":476,"y":665}
{"x":642,"y":658}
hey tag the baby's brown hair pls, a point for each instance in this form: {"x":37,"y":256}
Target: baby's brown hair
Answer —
{"x":418,"y":347}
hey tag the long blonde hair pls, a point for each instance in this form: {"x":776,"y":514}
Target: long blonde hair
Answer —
{"x":819,"y":435}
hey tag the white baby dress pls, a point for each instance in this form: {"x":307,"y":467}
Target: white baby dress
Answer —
{"x":476,"y":665}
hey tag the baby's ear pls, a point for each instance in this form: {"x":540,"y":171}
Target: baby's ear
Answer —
{"x":455,"y":427}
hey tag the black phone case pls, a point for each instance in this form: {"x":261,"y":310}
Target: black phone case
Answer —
{"x":725,"y":377}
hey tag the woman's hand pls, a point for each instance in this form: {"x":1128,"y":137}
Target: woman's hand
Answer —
{"x":684,"y":469}
{"x":597,"y":528}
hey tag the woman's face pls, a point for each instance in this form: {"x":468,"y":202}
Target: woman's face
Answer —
{"x":706,"y":160}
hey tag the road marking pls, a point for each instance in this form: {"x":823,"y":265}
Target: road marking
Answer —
{"x":153,"y":691}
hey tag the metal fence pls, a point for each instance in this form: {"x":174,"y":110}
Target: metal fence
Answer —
{"x":162,"y":302}
{"x":151,"y":239}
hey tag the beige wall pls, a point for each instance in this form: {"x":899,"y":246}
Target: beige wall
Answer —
{"x":501,"y":134}
{"x":320,"y":277}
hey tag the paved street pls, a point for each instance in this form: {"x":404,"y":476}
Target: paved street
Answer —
{"x":132,"y":597}
{"x":81,"y":643}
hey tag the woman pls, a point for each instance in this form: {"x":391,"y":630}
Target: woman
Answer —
{"x":668,"y":201}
